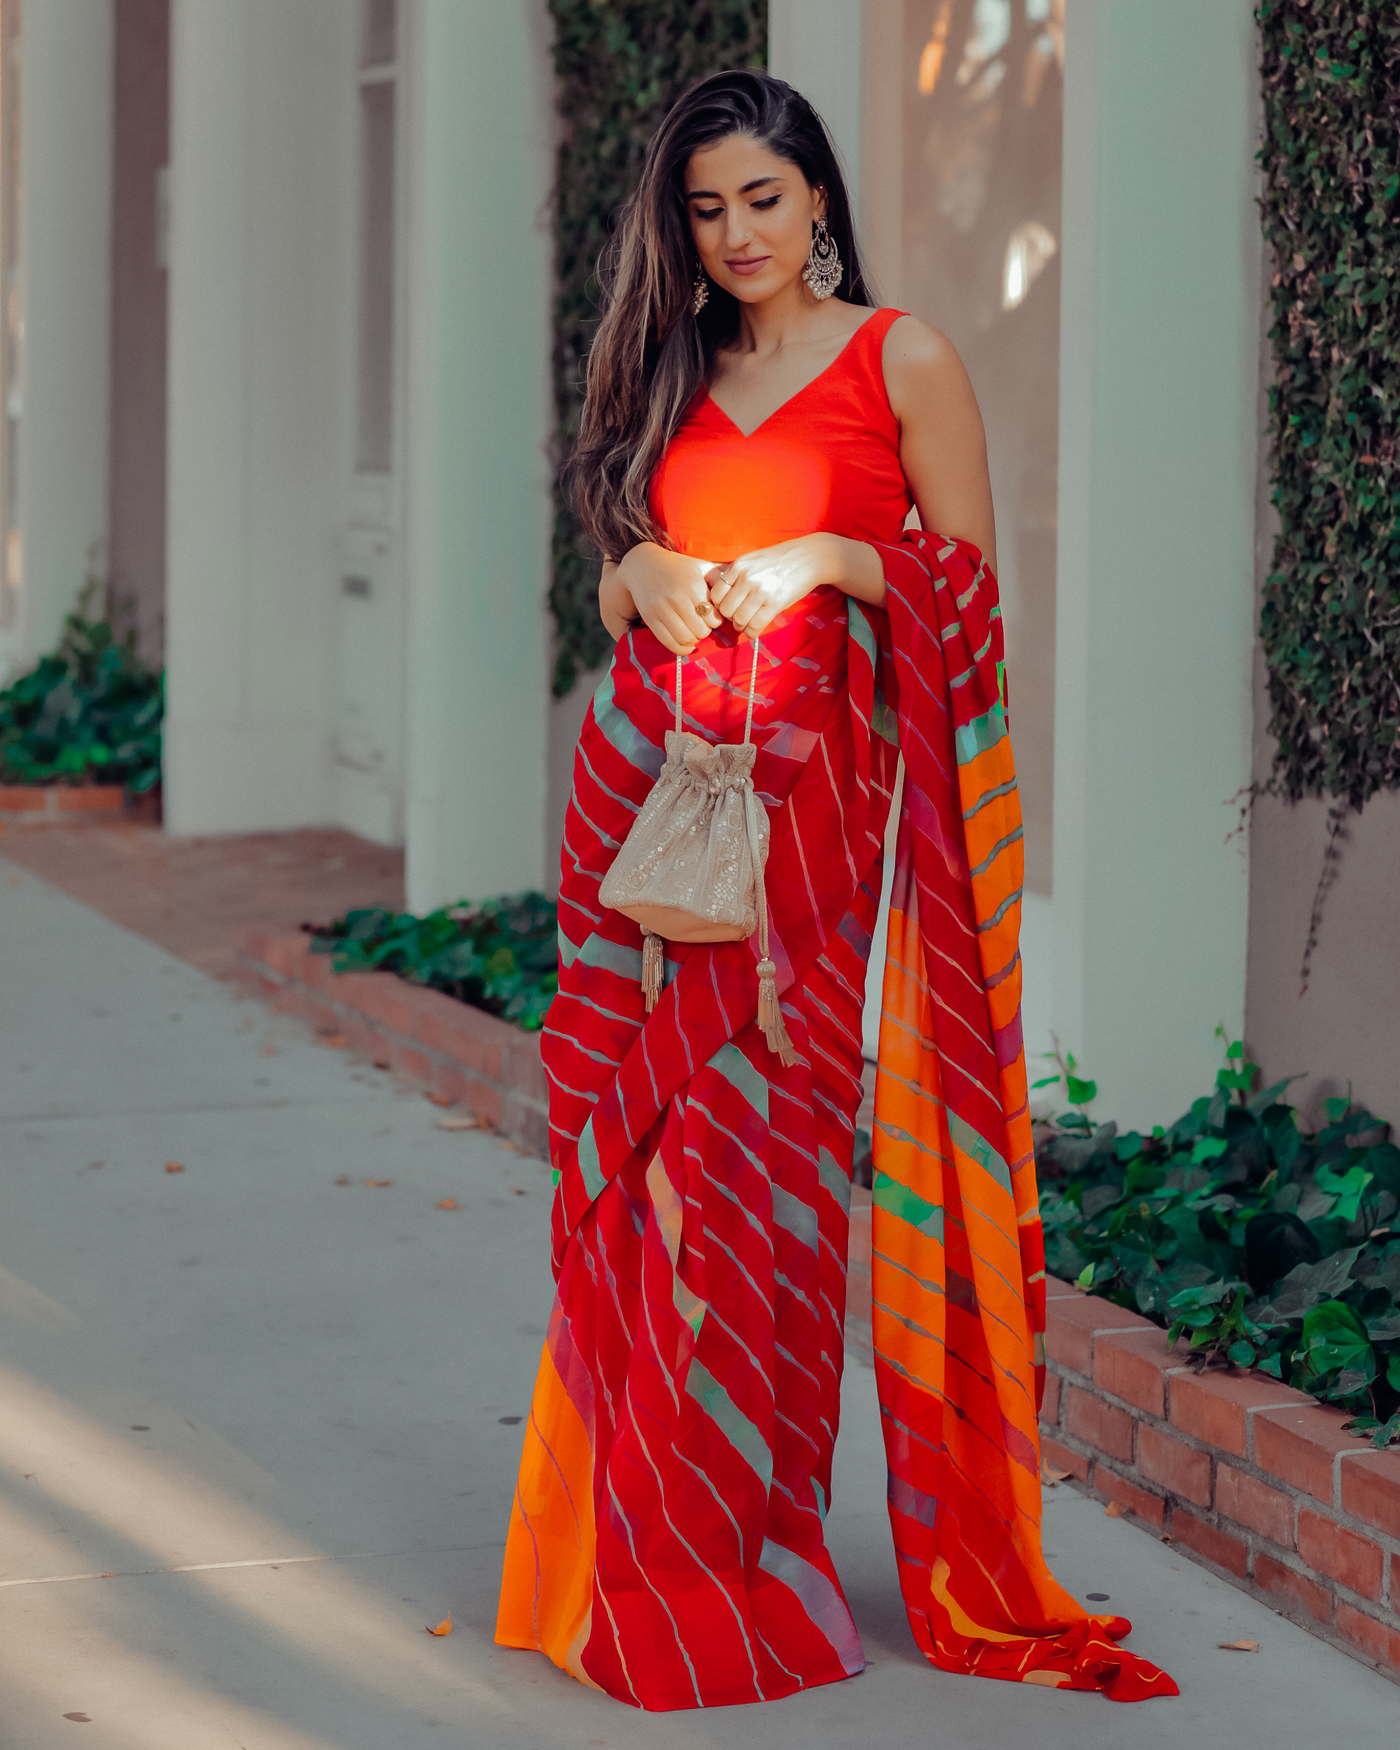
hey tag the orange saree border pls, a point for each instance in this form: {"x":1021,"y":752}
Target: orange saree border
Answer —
{"x":958,"y":1277}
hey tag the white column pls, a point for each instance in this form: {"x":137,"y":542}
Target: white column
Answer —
{"x":261,"y":264}
{"x":1158,"y":448}
{"x":480,"y":416}
{"x":816,"y":46}
{"x":66,"y":255}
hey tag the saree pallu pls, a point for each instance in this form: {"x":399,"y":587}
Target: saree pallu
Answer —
{"x":666,"y":1538}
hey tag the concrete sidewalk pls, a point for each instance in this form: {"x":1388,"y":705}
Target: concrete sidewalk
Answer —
{"x":259,"y":1428}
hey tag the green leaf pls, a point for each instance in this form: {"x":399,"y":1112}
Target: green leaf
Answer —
{"x":1081,"y":1092}
{"x":1387,"y":1433}
{"x":1241,"y":1354}
{"x":1085,"y":1276}
{"x":1348,"y":1189}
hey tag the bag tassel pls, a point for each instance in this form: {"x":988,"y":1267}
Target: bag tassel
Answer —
{"x":770,"y":1016}
{"x":653,"y":968}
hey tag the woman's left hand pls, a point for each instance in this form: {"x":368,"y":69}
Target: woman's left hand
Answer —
{"x":752,"y":590}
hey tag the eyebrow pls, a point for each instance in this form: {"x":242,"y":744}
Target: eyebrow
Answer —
{"x":710,"y":194}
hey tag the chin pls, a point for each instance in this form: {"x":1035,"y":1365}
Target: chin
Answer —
{"x":756,"y":291}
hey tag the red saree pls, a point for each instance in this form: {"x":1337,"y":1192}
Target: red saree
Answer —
{"x":666,"y":1538}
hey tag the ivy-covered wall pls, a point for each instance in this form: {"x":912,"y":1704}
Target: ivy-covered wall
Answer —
{"x":1330,"y":624}
{"x":620,"y":64}
{"x":1330,"y":620}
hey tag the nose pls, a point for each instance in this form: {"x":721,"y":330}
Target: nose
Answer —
{"x":736,"y":228}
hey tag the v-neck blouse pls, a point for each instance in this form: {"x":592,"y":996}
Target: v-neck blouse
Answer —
{"x":827,"y":460}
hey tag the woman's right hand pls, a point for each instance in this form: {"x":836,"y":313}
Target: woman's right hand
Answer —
{"x":666,"y":590}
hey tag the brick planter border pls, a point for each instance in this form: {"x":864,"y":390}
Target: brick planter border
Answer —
{"x":1250,"y":1477}
{"x":35,"y":804}
{"x":462,"y":1054}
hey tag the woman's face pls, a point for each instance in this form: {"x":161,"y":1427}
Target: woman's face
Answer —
{"x":751,"y":216}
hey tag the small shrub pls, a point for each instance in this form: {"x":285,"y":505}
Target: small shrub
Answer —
{"x":89,"y":713}
{"x":501,"y":955}
{"x":1262,"y":1244}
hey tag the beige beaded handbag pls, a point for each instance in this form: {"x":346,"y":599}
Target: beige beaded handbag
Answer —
{"x":691,"y":868}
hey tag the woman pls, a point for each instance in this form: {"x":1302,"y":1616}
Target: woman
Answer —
{"x":750,"y":450}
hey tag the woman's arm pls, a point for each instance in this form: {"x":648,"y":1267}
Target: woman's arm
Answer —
{"x":665,"y":590}
{"x":942,"y":443}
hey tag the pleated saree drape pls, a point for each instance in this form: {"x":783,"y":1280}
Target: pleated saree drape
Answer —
{"x":666,"y":1539}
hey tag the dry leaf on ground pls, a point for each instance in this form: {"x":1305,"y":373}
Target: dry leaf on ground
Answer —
{"x":342,"y":1178}
{"x":1239,"y":1646}
{"x":518,"y":1191}
{"x":378,"y":1184}
{"x":443,"y":1628}
{"x":333,"y":1041}
{"x":440,"y":1099}
{"x":173,"y":1167}
{"x":1114,"y":1509}
{"x":1054,"y":1476}
{"x":448,"y":1203}
{"x":458,"y":1123}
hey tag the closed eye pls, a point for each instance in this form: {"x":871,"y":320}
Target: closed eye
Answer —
{"x":763,"y":206}
{"x":708,"y":212}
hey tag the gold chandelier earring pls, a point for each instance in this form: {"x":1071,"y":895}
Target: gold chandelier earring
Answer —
{"x":700,"y":291}
{"x":823,"y":270}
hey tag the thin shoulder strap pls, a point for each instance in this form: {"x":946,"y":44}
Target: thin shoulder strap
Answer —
{"x":753,"y":683}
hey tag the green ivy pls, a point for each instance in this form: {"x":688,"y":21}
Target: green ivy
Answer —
{"x":621,"y":65}
{"x":501,"y":955}
{"x":89,"y":713}
{"x":1258,"y":1243}
{"x":1330,"y":622}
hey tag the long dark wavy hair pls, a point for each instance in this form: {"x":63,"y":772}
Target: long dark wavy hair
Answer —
{"x":652,"y":353}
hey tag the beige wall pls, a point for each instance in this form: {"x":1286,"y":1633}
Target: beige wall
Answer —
{"x":65,"y":254}
{"x":141,"y":145}
{"x":1343,"y":1035}
{"x":478,"y":470}
{"x":960,"y":160}
{"x":1158,"y":461}
{"x":260,"y":312}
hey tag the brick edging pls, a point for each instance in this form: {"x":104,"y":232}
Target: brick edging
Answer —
{"x":1252,"y":1478}
{"x":34,"y":804}
{"x":460,"y":1053}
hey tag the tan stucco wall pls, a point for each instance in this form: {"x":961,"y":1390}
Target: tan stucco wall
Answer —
{"x":1344,"y":1033}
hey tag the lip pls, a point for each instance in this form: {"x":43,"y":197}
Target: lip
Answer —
{"x":747,"y":265}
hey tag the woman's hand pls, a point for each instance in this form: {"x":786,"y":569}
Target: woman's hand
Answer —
{"x":754,"y":589}
{"x":665,"y":590}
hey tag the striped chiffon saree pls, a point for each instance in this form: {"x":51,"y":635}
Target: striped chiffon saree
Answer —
{"x":666,"y":1537}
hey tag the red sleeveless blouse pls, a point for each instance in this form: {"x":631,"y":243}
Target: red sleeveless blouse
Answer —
{"x":827,"y":461}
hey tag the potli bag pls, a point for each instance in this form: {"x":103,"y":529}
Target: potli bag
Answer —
{"x":691,"y":868}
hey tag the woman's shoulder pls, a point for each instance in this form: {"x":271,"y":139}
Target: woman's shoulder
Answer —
{"x":914,"y":345}
{"x":919,"y":362}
